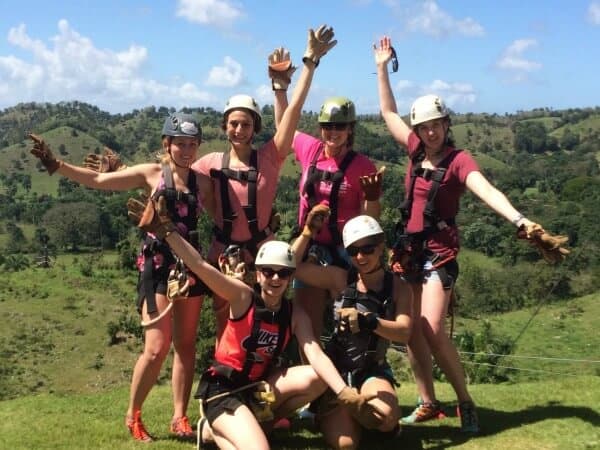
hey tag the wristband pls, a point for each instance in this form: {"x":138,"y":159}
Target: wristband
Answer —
{"x":306,"y":58}
{"x":517,"y":219}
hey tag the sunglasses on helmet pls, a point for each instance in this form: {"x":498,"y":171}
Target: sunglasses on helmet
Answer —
{"x":281,"y":273}
{"x":367,"y":249}
{"x":334,"y":126}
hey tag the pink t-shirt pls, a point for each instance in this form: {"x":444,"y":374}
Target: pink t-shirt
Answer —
{"x":269,"y":165}
{"x":446,"y":241}
{"x":350,"y":196}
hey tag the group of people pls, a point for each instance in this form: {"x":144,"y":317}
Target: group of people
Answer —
{"x":339,"y":256}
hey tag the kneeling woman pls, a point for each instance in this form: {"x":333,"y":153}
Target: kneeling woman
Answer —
{"x":261,"y":322}
{"x":372,"y":308}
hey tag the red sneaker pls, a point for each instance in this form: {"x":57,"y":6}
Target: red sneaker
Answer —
{"x":182,"y":429}
{"x":136,"y":427}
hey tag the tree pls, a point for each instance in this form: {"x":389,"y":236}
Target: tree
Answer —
{"x":530,"y":137}
{"x":73,"y":225}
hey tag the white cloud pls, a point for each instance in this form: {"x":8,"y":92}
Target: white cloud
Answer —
{"x":455,"y":95}
{"x":515,"y":63}
{"x":72,"y":68}
{"x":264,"y":94}
{"x":219,"y":13}
{"x":230,"y":74}
{"x":593,"y":13}
{"x":427,"y":17}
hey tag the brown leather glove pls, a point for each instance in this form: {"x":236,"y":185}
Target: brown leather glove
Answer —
{"x":42,"y":151}
{"x":353,"y":320}
{"x":550,"y":246}
{"x":368,"y":415}
{"x":315,"y":220}
{"x":280,"y":69}
{"x":371,"y":185}
{"x":109,"y":161}
{"x":319,"y":43}
{"x":151,"y":216}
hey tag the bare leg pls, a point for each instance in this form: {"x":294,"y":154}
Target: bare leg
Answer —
{"x":157,"y":342}
{"x":340,"y":430}
{"x":294,"y":387}
{"x":434,"y":307}
{"x":185,"y":322}
{"x":386,"y":401}
{"x":239,"y":430}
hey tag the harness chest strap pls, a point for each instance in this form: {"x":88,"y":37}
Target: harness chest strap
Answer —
{"x":250,"y":177}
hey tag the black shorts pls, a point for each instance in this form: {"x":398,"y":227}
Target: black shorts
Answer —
{"x":211,"y":385}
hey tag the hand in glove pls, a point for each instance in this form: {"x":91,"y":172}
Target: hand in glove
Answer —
{"x":371,"y":185}
{"x":42,"y":151}
{"x":109,"y":161}
{"x":237,"y":269}
{"x":280,"y":69}
{"x":319,"y":43}
{"x":550,"y":246}
{"x":368,"y":415}
{"x":315,"y":219}
{"x":151,"y":216}
{"x":350,"y":319}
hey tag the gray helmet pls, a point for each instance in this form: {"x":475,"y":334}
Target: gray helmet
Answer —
{"x":337,"y":110}
{"x":182,"y":124}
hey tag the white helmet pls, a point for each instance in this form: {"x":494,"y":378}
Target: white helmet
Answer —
{"x":276,"y":253}
{"x":360,"y":227}
{"x":427,"y":107}
{"x":243,"y":101}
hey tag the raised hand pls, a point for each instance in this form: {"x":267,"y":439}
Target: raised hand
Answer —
{"x":371,"y":184}
{"x":384,"y":52}
{"x":109,"y":161}
{"x":280,"y":69}
{"x":151,"y":216}
{"x":315,"y":219}
{"x":319,"y":43}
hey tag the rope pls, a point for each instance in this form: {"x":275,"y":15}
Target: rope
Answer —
{"x":546,"y":358}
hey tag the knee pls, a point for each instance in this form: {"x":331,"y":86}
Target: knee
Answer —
{"x":346,"y":443}
{"x":156,"y":351}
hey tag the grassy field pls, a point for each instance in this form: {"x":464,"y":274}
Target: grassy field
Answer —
{"x":58,"y":372}
{"x":555,"y":414}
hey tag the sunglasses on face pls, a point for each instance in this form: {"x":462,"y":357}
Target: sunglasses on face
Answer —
{"x":334,"y":126}
{"x":281,"y":273}
{"x":367,"y":249}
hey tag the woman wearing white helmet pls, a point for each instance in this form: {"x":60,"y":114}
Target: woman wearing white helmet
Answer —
{"x":372,"y":307}
{"x":333,"y":173}
{"x":428,"y":243}
{"x":181,"y":137}
{"x":245,"y":390}
{"x":238,"y":186}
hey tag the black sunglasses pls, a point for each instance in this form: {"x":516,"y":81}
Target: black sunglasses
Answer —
{"x":334,"y":126}
{"x":367,"y":249}
{"x":281,"y":273}
{"x":394,"y":60}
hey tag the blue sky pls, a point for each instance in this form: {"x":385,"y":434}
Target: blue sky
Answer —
{"x":480,"y":56}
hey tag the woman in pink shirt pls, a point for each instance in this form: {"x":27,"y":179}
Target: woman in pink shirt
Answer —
{"x":333,"y":173}
{"x":238,"y":187}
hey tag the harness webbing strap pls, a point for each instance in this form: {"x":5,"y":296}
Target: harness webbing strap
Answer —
{"x":315,"y":176}
{"x":250,"y":177}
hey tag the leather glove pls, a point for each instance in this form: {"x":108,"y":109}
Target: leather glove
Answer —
{"x":109,"y":161}
{"x":42,"y":151}
{"x":315,"y":219}
{"x":550,"y":246}
{"x":236,"y":269}
{"x":353,"y":320}
{"x":371,"y":185}
{"x":151,"y":216}
{"x":319,"y":43}
{"x":368,"y":415}
{"x":280,"y":69}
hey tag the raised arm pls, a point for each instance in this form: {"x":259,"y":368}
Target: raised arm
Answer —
{"x":397,"y":127}
{"x":152,"y":217}
{"x":319,"y":43}
{"x":135,"y":177}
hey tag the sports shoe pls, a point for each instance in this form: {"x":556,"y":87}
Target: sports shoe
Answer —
{"x":424,"y":412}
{"x":137,"y":428}
{"x":282,"y":424}
{"x":469,"y":422}
{"x":182,"y":429}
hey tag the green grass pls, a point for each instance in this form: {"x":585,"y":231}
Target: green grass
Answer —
{"x":555,"y":414}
